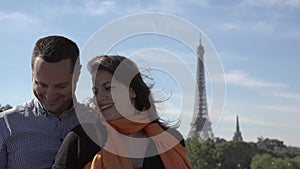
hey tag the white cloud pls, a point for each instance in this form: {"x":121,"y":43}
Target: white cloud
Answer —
{"x":238,"y":77}
{"x":257,"y":26}
{"x":17,"y":17}
{"x":285,"y":95}
{"x":263,"y":26}
{"x":100,"y":7}
{"x":292,"y":33}
{"x":282,"y":108}
{"x":263,"y":16}
{"x":270,"y":3}
{"x":261,"y":121}
{"x":97,"y":8}
{"x":169,"y":6}
{"x":89,"y":7}
{"x":229,"y":26}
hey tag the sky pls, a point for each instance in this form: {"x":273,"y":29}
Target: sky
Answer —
{"x":255,"y":45}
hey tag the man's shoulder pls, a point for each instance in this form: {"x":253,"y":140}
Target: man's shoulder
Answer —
{"x":21,"y":109}
{"x":14,"y":116}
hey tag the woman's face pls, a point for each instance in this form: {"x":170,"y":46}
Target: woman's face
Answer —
{"x":114,"y":99}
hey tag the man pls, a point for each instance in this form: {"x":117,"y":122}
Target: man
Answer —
{"x":31,"y":133}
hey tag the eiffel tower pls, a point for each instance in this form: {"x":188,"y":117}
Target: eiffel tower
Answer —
{"x":200,"y":125}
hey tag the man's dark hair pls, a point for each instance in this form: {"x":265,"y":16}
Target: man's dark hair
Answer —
{"x":54,"y":49}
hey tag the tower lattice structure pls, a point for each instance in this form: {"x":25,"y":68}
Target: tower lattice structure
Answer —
{"x":200,"y":125}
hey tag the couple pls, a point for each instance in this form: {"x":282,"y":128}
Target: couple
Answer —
{"x":45,"y":131}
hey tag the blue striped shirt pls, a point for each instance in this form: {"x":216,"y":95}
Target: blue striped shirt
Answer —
{"x":30,"y":136}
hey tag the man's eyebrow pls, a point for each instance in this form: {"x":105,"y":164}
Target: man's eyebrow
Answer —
{"x":62,"y":83}
{"x":39,"y":82}
{"x":108,"y":82}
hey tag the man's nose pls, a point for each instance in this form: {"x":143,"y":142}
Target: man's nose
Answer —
{"x":51,"y":93}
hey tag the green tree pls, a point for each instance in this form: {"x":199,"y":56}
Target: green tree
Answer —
{"x":6,"y":107}
{"x":208,"y":155}
{"x":193,"y":147}
{"x":238,"y":155}
{"x":296,"y":161}
{"x":268,"y":161}
{"x":202,"y":156}
{"x":262,"y":161}
{"x":235,"y":154}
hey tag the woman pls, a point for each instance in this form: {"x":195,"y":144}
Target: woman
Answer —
{"x":136,"y":138}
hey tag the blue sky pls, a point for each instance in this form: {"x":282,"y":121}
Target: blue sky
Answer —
{"x":257,"y":43}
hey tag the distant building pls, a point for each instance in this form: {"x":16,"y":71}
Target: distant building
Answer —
{"x":293,"y":149}
{"x":275,"y":145}
{"x":237,"y":134}
{"x":220,"y":140}
{"x":271,"y":144}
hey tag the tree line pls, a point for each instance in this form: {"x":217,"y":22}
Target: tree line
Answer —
{"x":6,"y":107}
{"x":238,"y":155}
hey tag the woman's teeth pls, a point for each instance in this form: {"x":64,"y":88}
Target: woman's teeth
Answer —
{"x":106,"y":107}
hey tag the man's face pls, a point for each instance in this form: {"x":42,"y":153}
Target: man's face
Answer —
{"x":52,"y":85}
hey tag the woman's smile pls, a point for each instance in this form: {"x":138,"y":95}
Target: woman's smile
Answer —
{"x":106,"y":107}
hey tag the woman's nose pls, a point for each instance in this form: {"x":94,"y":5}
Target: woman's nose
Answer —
{"x":101,"y":96}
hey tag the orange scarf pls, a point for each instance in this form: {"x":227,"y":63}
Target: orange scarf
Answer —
{"x":172,"y":153}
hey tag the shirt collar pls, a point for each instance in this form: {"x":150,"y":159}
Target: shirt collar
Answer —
{"x":41,"y":110}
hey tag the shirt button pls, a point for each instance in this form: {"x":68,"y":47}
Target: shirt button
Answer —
{"x":61,"y":140}
{"x":59,"y":119}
